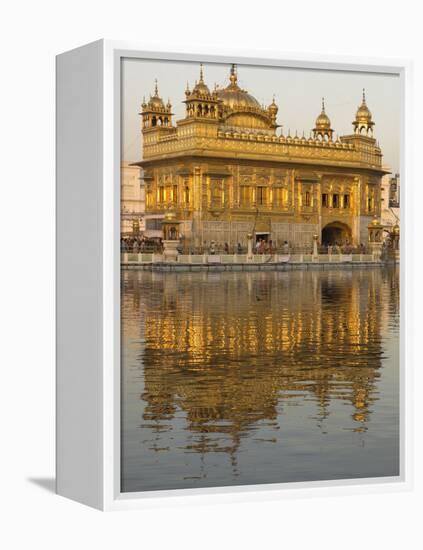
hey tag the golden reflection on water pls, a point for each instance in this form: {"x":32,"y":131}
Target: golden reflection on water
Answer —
{"x":218,"y":357}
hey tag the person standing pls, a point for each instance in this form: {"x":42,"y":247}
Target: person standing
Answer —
{"x":258,"y":244}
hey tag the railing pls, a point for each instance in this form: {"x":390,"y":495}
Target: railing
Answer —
{"x":225,"y":259}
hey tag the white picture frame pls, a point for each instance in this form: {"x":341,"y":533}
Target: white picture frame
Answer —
{"x":88,"y":277}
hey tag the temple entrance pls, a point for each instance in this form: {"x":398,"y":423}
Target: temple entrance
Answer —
{"x":262,"y":236}
{"x":336,"y":233}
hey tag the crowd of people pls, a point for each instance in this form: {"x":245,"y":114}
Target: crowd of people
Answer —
{"x":137,"y":244}
{"x":140,"y":244}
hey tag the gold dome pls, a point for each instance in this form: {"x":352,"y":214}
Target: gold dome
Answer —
{"x":323,"y":121}
{"x":234,"y":98}
{"x":273,"y":108}
{"x":200,"y":87}
{"x":363,"y":113}
{"x":156,"y":102}
{"x":396,"y":229}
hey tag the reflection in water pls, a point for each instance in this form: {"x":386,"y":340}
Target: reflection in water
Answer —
{"x":238,"y":378}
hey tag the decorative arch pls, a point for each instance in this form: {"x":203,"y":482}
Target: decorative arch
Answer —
{"x":336,"y":233}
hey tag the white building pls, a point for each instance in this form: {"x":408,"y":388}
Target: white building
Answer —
{"x":132,"y":200}
{"x":390,"y":196}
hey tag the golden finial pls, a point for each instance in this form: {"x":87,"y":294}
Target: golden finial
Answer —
{"x":156,"y":88}
{"x":364,"y":96}
{"x":201,"y":73}
{"x":323,"y":104}
{"x":233,"y":76}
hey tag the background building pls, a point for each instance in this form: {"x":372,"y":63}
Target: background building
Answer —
{"x":390,"y":197}
{"x":132,"y":200}
{"x":225,"y":172}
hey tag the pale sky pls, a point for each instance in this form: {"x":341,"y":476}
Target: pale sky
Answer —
{"x":298,"y":93}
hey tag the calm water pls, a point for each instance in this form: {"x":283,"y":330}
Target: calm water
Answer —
{"x":261,"y":377}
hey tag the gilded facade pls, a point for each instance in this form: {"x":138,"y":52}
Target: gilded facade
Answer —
{"x":226,"y":171}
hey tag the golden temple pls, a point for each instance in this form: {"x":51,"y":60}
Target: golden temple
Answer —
{"x":225,"y":171}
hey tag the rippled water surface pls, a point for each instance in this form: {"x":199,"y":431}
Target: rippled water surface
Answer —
{"x":259,"y":377}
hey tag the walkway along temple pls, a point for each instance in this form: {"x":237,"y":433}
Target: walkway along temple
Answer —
{"x":241,"y":262}
{"x":225,"y":171}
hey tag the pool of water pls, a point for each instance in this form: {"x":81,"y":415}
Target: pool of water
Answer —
{"x":258,"y":377}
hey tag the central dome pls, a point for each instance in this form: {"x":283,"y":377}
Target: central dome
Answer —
{"x":234,"y":98}
{"x":237,"y":99}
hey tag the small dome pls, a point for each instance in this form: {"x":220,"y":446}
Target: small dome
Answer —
{"x":323,"y":121}
{"x":363,"y":113}
{"x":200,"y":87}
{"x":156,"y":102}
{"x":273,"y":108}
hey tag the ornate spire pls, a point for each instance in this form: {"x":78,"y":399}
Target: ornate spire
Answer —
{"x":363,"y":123}
{"x":200,"y":89}
{"x":273,"y":109}
{"x":155,"y":113}
{"x":233,"y":77}
{"x":322,"y":129}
